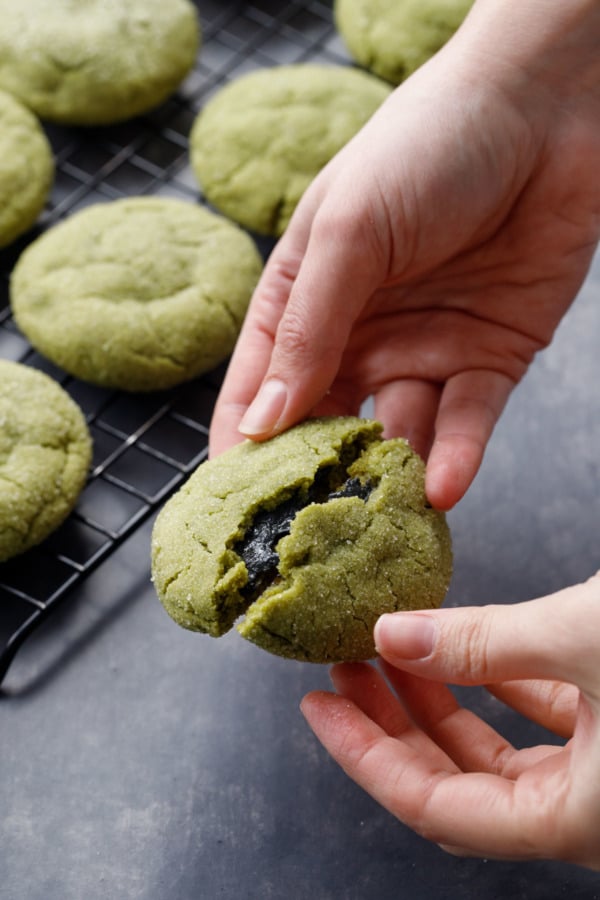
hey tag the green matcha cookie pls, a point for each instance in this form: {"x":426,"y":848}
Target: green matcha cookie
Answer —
{"x":45,"y":452}
{"x":312,"y":535}
{"x":257,"y":145}
{"x":394,"y":37}
{"x":138,"y":294}
{"x":92,"y":62}
{"x":26,"y":169}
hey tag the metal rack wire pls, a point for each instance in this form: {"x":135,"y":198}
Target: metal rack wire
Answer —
{"x":145,"y":446}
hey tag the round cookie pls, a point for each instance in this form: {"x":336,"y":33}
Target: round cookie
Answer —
{"x":259,"y":142}
{"x":26,"y":169}
{"x":45,"y":452}
{"x":138,"y":294}
{"x":392,"y":38}
{"x":312,"y":535}
{"x":92,"y":62}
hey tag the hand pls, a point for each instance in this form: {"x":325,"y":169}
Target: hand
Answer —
{"x":432,"y":258}
{"x":449,"y":775}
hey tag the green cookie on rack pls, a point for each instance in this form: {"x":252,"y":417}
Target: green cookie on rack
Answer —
{"x":26,"y":169}
{"x":93,"y":62}
{"x":392,"y":38}
{"x":260,"y":141}
{"x":139,"y":294}
{"x":45,"y":453}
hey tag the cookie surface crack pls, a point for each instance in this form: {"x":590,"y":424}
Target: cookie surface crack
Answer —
{"x":257,"y":548}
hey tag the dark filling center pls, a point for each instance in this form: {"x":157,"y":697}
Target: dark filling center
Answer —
{"x":257,"y":547}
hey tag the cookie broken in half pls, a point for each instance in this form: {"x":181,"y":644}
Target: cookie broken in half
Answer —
{"x":303,"y":541}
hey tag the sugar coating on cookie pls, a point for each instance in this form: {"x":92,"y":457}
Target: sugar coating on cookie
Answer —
{"x":26,"y":169}
{"x":93,"y":62}
{"x":259,"y":142}
{"x":139,"y":294}
{"x":309,"y":536}
{"x":392,"y":38}
{"x":45,"y":453}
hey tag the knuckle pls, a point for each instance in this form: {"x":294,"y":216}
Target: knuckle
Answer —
{"x":471,"y":654}
{"x":558,"y":702}
{"x":294,"y":340}
{"x":337,"y":220}
{"x":351,"y":225}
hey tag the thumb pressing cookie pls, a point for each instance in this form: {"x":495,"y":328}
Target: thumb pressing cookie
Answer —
{"x":310,"y":536}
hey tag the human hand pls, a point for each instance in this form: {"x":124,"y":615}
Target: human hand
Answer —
{"x":432,"y":258}
{"x":445,"y":772}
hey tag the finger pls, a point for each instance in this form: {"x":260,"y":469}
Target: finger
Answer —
{"x":367,"y":688}
{"x":554,"y":638}
{"x":332,"y":285}
{"x":551,"y":704}
{"x":252,"y":353}
{"x":374,"y":759}
{"x":407,"y":408}
{"x":483,"y":814}
{"x":469,"y":408}
{"x":364,"y":685}
{"x":468,"y":740}
{"x":237,"y":390}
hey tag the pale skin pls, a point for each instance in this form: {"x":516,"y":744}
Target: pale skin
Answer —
{"x":425,"y":267}
{"x":445,"y":772}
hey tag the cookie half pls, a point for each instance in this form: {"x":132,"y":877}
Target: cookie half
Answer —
{"x":392,"y":38}
{"x":310,"y":536}
{"x":257,"y":145}
{"x":98,"y":61}
{"x":45,"y":453}
{"x":139,"y":294}
{"x":26,"y":169}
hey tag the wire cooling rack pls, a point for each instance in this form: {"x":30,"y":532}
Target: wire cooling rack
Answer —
{"x":145,"y":446}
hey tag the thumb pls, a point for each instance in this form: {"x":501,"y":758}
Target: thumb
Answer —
{"x":340,"y":268}
{"x":553,"y":637}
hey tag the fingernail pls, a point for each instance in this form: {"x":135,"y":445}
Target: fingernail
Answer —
{"x":405,"y":635}
{"x":265,"y":411}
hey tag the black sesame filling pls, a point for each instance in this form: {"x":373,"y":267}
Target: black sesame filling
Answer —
{"x":257,"y":547}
